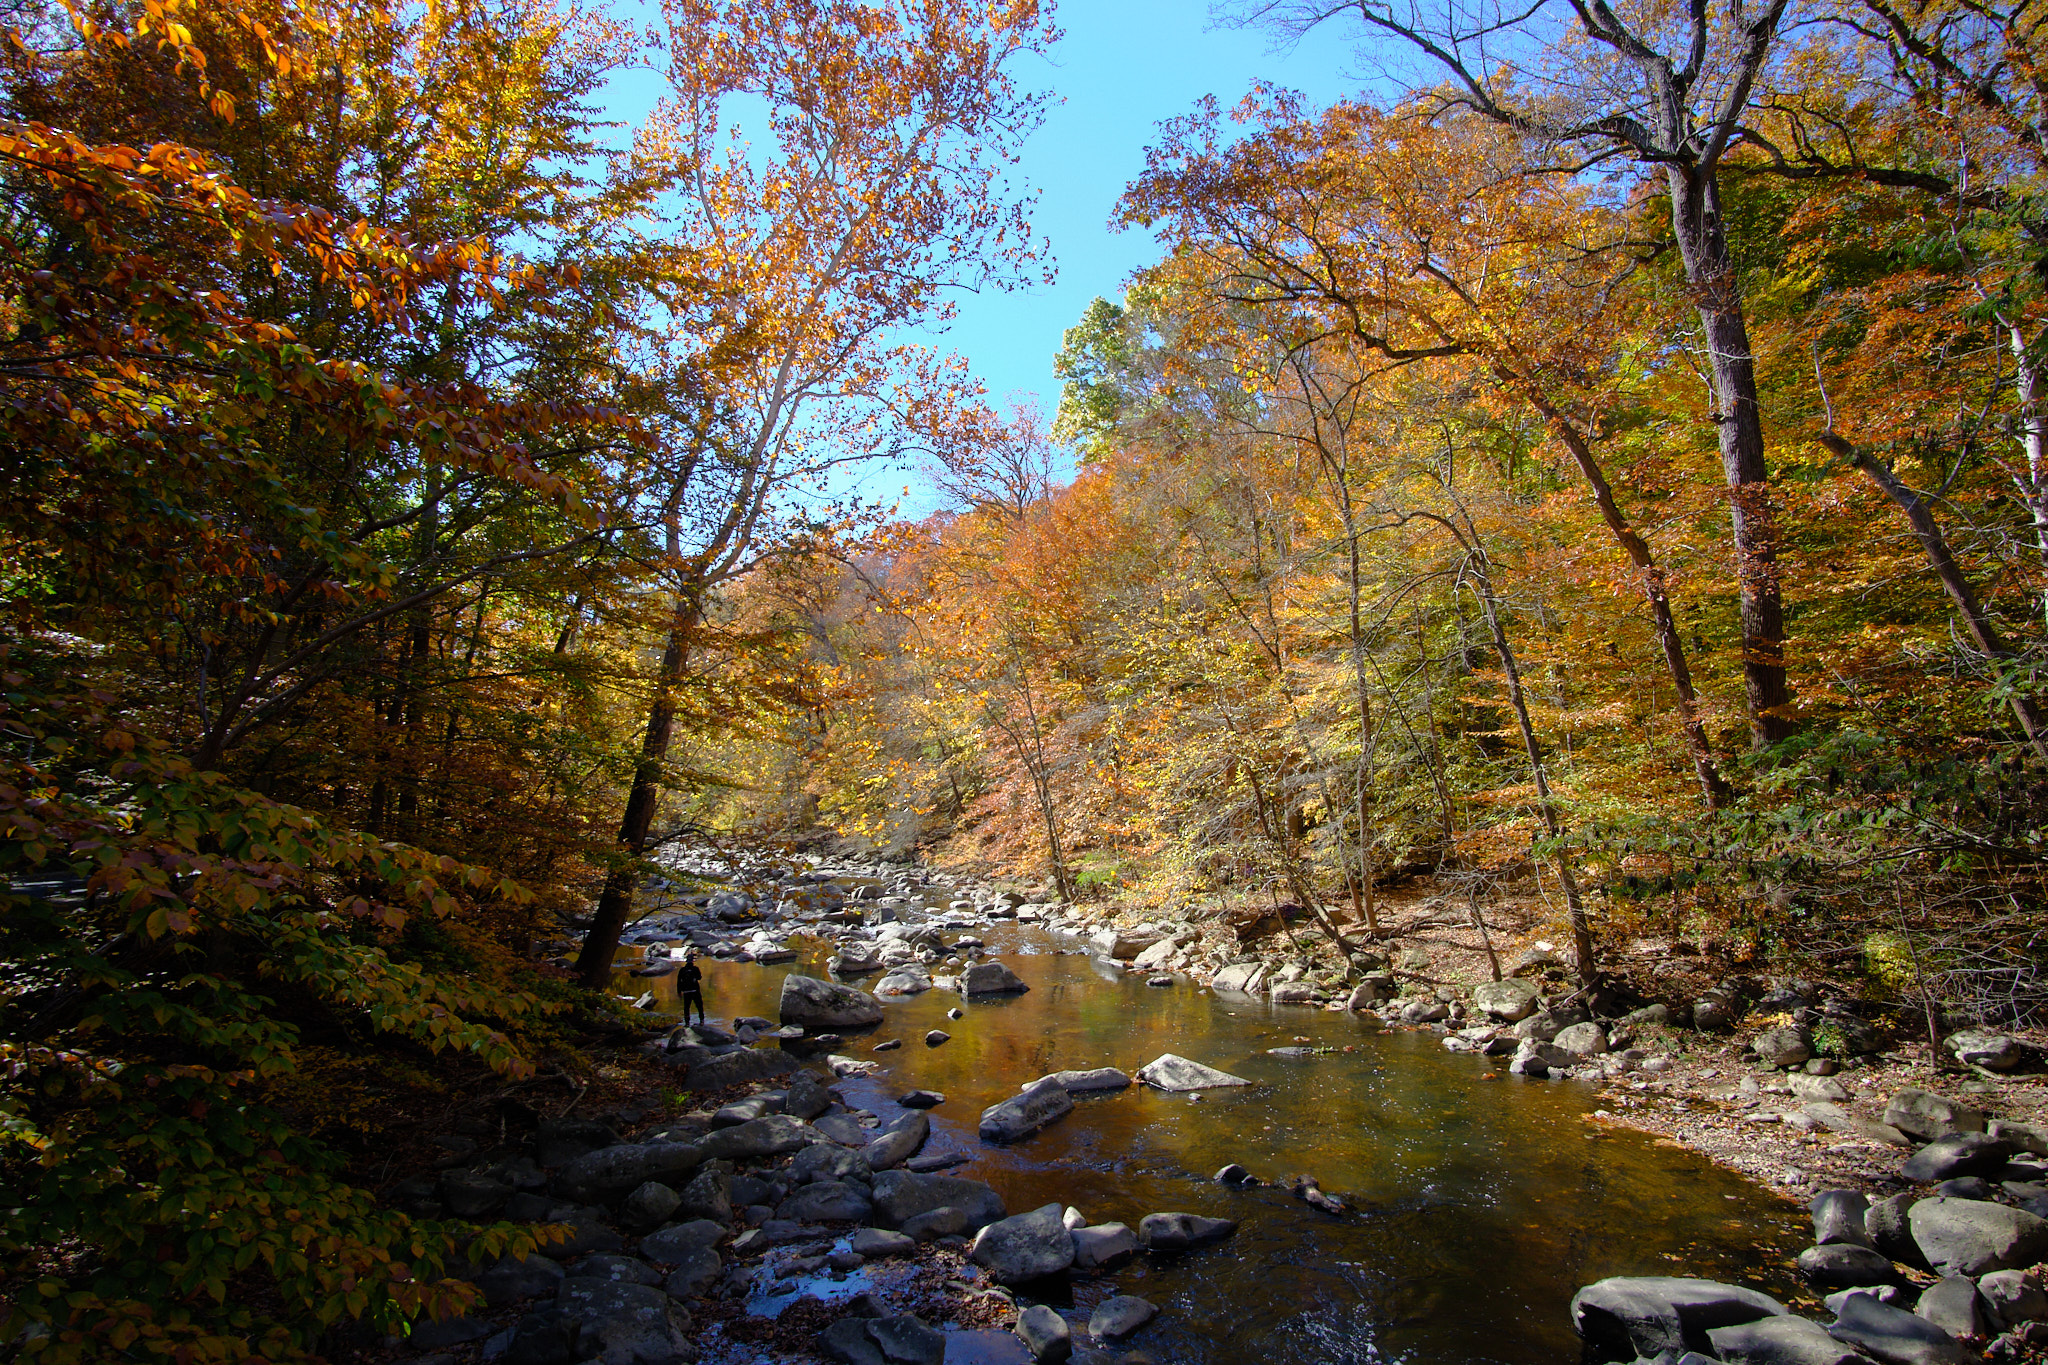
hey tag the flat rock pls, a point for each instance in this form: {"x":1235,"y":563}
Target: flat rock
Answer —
{"x":875,"y":1243}
{"x":902,"y":1195}
{"x":816,"y":1004}
{"x":842,"y":1129}
{"x":1957,"y":1154}
{"x":1920,"y":1114}
{"x":1992,"y":1051}
{"x":1895,"y":1336}
{"x":610,"y":1172}
{"x":1041,"y":1103}
{"x":1242,"y":978}
{"x":739,"y":1067}
{"x":1780,"y":1341}
{"x":1101,"y":1078}
{"x":1970,"y":1237}
{"x":826,"y":1201}
{"x":1114,"y":1319}
{"x":1846,"y":1265}
{"x":1171,"y":1072}
{"x":1644,"y":1315}
{"x":1025,"y":1247}
{"x":1179,"y":1231}
{"x":769,"y":1135}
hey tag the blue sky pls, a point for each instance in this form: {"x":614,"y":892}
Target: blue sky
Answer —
{"x":1123,"y":67}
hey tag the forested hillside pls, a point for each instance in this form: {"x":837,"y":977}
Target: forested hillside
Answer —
{"x":1606,"y":465}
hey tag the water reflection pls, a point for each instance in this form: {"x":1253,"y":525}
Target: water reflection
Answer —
{"x":1481,"y":1201}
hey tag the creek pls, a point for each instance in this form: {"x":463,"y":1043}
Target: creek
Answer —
{"x":1481,"y":1201}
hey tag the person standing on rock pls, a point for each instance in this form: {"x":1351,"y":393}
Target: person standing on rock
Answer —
{"x":690,"y":985}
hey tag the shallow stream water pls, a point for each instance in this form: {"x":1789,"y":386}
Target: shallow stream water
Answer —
{"x":1482,"y":1200}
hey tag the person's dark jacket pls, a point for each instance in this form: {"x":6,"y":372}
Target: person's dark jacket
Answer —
{"x":689,"y":977}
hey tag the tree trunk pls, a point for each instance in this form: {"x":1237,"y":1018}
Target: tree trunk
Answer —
{"x":1703,"y":245}
{"x":601,"y":943}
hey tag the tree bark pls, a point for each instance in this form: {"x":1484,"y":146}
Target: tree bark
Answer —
{"x":601,"y":942}
{"x":1710,"y":271}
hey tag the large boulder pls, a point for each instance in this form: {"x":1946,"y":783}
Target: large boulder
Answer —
{"x":991,"y":978}
{"x":1022,"y":1115}
{"x":1122,"y":943}
{"x":1045,"y":1334}
{"x":1846,"y":1265}
{"x":1180,"y":1231}
{"x":610,"y":1172}
{"x":814,"y":1004}
{"x":826,"y":1201}
{"x":1508,"y":1001}
{"x":2013,"y":1297}
{"x":1629,"y":1316}
{"x":1584,"y":1040}
{"x":1028,"y":1246}
{"x":510,"y":1280}
{"x":1101,"y":1245}
{"x":1535,"y":1058}
{"x":1780,"y":1341}
{"x":1958,"y":1154}
{"x":1926,"y":1116}
{"x":902,"y":1195}
{"x":1885,"y":1221}
{"x":630,"y":1324}
{"x":1838,"y":1216}
{"x":1954,"y":1305}
{"x":1170,"y":1072}
{"x":769,"y":1135}
{"x":1784,"y":1047}
{"x":1895,"y":1336}
{"x":1992,"y":1051}
{"x":675,"y":1245}
{"x":1971,"y":1237}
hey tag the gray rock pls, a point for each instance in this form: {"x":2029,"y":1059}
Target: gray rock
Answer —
{"x":2025,"y":1137}
{"x":1973,"y":1187}
{"x":828,"y":1161}
{"x":1846,"y":1265}
{"x":470,"y":1195}
{"x":649,"y":1206}
{"x":1543,"y":1026}
{"x":1241,"y":978}
{"x":1534,"y":1058}
{"x":625,"y":1324}
{"x":826,"y":1201}
{"x":1883,"y":1293}
{"x":1969,"y":1237}
{"x":1718,"y":1010}
{"x":1101,"y":1245}
{"x":2013,"y":1297}
{"x":557,"y":1142}
{"x":1885,"y":1221}
{"x":1992,"y":1051}
{"x":611,"y":1172}
{"x":1837,"y":1119}
{"x":1645,"y":1315}
{"x":899,"y":1143}
{"x":1233,"y":1174}
{"x":1823,"y":1088}
{"x":1025,"y":1247}
{"x":1919,"y":1114}
{"x":991,"y":978}
{"x":1123,"y":944}
{"x":875,"y":1243}
{"x":770,"y":1135}
{"x":509,"y":1280}
{"x":738,"y":1068}
{"x":699,"y":1270}
{"x":1957,"y":1154}
{"x":1584,"y":1040}
{"x":1838,"y":1217}
{"x":1954,"y":1305}
{"x":708,"y":1195}
{"x":1115,"y":1319}
{"x":906,"y":1340}
{"x":842,"y":1129}
{"x":1170,"y":1072}
{"x":611,"y":1266}
{"x":847,"y":1342}
{"x":1895,"y":1336}
{"x":1784,"y":1047}
{"x":819,"y":1004}
{"x":944,"y":1221}
{"x":902,"y":1195}
{"x":1014,"y":1119}
{"x":1180,"y":1231}
{"x":1780,"y":1341}
{"x":934,"y":1037}
{"x":806,"y":1098}
{"x":1045,"y":1334}
{"x":1648,"y":1014}
{"x":1507,"y":1001}
{"x":1102,"y":1078}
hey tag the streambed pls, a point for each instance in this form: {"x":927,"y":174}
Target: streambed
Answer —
{"x":1482,"y":1200}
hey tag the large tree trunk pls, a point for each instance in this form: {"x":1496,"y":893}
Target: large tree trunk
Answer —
{"x":601,"y":943}
{"x":1703,"y":245}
